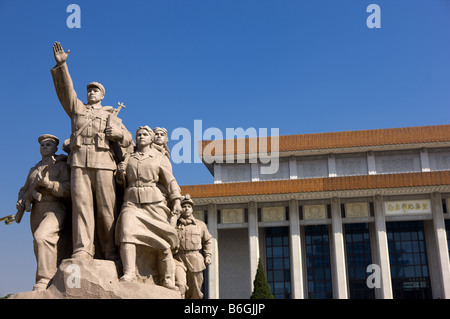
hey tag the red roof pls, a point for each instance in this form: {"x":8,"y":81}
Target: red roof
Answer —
{"x":316,"y":141}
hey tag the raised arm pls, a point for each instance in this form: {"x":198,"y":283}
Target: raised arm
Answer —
{"x":62,"y":80}
{"x":60,"y":55}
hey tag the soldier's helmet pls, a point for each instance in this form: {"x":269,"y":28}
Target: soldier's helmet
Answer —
{"x":187,"y":199}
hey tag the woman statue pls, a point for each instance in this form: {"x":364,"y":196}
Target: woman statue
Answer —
{"x":144,"y":218}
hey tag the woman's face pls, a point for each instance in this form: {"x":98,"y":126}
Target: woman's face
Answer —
{"x":143,"y":138}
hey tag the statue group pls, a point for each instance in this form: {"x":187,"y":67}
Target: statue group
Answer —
{"x":111,"y":196}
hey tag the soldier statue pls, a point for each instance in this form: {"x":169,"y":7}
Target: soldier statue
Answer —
{"x":190,"y":263}
{"x":46,"y":193}
{"x":96,"y":130}
{"x":144,"y":218}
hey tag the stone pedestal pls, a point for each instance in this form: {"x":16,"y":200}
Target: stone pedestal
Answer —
{"x":96,"y":279}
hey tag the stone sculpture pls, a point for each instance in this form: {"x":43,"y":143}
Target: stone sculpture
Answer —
{"x":95,"y":129}
{"x":105,"y":169}
{"x":45,"y":193}
{"x":190,"y":263}
{"x":160,"y":140}
{"x":144,"y":219}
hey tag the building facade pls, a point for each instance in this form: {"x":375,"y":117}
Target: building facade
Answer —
{"x":361,"y":214}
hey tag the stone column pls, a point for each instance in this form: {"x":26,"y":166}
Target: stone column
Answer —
{"x":213,"y":269}
{"x":381,"y":252}
{"x":293,"y":168}
{"x":339,"y":272}
{"x":217,"y":173}
{"x":254,"y":171}
{"x":441,"y":247}
{"x":253,"y":240}
{"x":424,"y":160}
{"x":371,"y":165}
{"x":296,"y":251}
{"x":332,"y":166}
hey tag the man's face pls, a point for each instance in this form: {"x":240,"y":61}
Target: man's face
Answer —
{"x":186,"y":210}
{"x":94,"y":95}
{"x":48,"y":147}
{"x":160,"y":137}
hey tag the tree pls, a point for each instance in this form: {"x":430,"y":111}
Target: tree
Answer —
{"x":261,"y":288}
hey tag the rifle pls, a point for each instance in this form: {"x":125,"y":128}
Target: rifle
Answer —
{"x":8,"y":219}
{"x":113,"y":119}
{"x":31,"y":194}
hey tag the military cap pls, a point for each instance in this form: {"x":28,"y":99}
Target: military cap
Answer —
{"x":45,"y":137}
{"x":187,"y":199}
{"x":98,"y":85}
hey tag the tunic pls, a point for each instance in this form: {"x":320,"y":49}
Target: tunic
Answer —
{"x":48,"y":216}
{"x":193,"y":235}
{"x":144,"y":218}
{"x":92,"y":161}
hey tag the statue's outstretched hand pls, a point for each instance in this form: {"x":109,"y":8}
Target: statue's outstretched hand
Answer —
{"x":58,"y":52}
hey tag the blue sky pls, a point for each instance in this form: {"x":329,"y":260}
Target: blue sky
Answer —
{"x":299,"y":66}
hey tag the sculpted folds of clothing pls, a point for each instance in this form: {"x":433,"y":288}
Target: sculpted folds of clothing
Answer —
{"x":193,"y":237}
{"x":47,"y":220}
{"x":144,"y":218}
{"x":146,"y":224}
{"x":59,"y":174}
{"x":143,"y":172}
{"x":48,"y":216}
{"x":89,"y":147}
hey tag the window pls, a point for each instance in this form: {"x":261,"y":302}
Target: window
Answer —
{"x":357,"y":241}
{"x":278,"y":262}
{"x":318,"y":262}
{"x":408,"y":258}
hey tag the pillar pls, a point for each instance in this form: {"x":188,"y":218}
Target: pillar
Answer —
{"x":441,"y":247}
{"x":213,"y":269}
{"x":296,"y":251}
{"x":339,"y":272}
{"x":253,"y":240}
{"x":382,"y":251}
